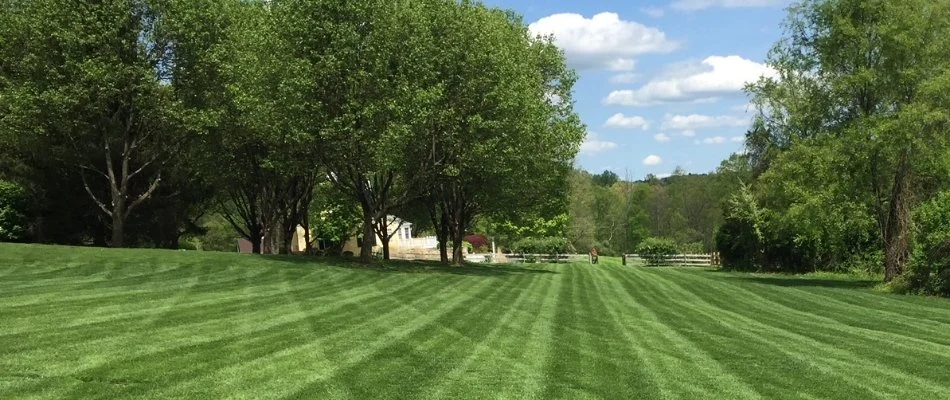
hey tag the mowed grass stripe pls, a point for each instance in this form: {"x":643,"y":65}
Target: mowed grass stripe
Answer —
{"x":201,"y":338}
{"x":764,"y":363}
{"x":188,"y":365}
{"x":843,"y":363}
{"x":495,"y":332}
{"x":877,"y":347}
{"x":825,"y":313}
{"x":192,"y":320}
{"x":369,"y":366}
{"x":99,"y":323}
{"x":687,"y":368}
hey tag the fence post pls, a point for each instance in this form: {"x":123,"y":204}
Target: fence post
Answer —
{"x":623,"y":259}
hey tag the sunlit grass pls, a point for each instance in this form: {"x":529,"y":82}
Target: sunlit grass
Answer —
{"x":97,"y":323}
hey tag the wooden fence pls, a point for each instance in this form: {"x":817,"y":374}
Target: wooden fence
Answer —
{"x":548,"y":258}
{"x":689,"y":260}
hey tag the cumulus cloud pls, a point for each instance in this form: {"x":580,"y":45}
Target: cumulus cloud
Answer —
{"x":592,"y":144}
{"x":655,"y":12}
{"x":713,"y":140}
{"x":738,"y":139}
{"x":621,"y":65}
{"x":623,"y":78}
{"x":662,"y":137}
{"x":695,"y":122}
{"x":714,"y":77}
{"x":622,"y":121}
{"x":604,"y":41}
{"x":693,"y":5}
{"x":652,"y":159}
{"x":688,"y":133}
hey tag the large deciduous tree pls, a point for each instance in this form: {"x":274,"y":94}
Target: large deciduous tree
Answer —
{"x":866,"y":80}
{"x":508,"y":130}
{"x":100,"y":89}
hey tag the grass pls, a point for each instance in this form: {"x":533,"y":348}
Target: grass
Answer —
{"x":97,"y":323}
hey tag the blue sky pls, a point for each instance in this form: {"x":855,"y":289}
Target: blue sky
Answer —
{"x":660,"y":81}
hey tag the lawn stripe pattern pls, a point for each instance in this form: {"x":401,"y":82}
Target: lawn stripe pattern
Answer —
{"x":104,"y":324}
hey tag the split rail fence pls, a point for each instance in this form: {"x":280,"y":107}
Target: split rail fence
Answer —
{"x":689,"y":260}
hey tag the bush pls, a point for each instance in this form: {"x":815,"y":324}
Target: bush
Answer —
{"x":656,"y":250}
{"x":691,"y":248}
{"x":543,"y":245}
{"x":14,"y":208}
{"x":929,"y":271}
{"x":480,"y":243}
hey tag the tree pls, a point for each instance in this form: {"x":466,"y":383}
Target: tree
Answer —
{"x":607,"y":178}
{"x":869,"y":75}
{"x":507,"y":114}
{"x":103,"y":99}
{"x":364,"y":94}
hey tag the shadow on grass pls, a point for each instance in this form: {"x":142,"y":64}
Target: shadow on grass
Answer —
{"x":407,"y":266}
{"x":791,"y":281}
{"x":828,"y":283}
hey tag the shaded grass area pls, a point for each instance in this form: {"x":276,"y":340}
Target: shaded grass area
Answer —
{"x":98,"y":323}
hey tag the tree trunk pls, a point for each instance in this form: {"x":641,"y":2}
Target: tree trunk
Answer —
{"x":308,"y":241}
{"x":257,"y":236}
{"x":897,"y":236}
{"x":385,"y":240}
{"x":118,"y":227}
{"x":443,"y":236}
{"x":457,"y":257}
{"x":366,"y":250}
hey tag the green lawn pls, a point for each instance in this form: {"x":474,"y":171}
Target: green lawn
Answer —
{"x":97,"y":323}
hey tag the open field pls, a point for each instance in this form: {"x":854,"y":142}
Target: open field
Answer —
{"x":96,"y":323}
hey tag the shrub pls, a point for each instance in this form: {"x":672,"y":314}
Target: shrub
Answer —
{"x":929,"y":271}
{"x":479,"y":242}
{"x":656,"y":250}
{"x":14,"y":208}
{"x":543,"y":245}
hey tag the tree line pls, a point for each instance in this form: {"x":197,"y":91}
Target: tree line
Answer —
{"x":849,"y":150}
{"x":615,"y":214}
{"x":129,"y":122}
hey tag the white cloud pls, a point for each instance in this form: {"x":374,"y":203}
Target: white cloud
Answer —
{"x":655,"y":12}
{"x":621,"y":65}
{"x":664,"y":176}
{"x":652,"y":159}
{"x":599,"y":41}
{"x":623,"y":78}
{"x":694,"y":122}
{"x":622,"y":121}
{"x":693,"y":5}
{"x":662,"y":137}
{"x":738,"y":139}
{"x":714,"y":140}
{"x":592,"y":144}
{"x":715,"y":76}
{"x":688,"y":133}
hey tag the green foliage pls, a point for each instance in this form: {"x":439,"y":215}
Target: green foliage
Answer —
{"x":741,"y":240}
{"x":930,"y":269}
{"x":541,"y":245}
{"x":218,"y":235}
{"x":657,"y":251}
{"x":14,"y":212}
{"x":606,"y":179}
{"x":844,"y":143}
